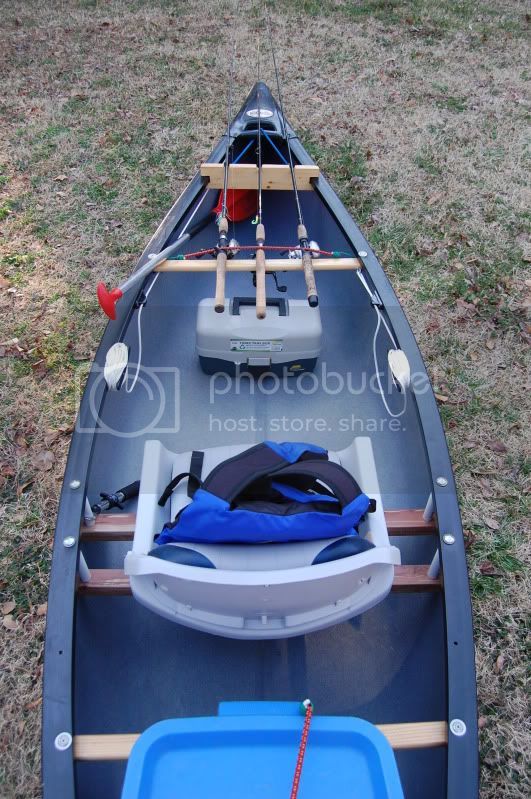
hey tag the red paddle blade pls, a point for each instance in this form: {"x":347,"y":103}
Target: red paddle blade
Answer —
{"x":241,"y":204}
{"x":108,"y":299}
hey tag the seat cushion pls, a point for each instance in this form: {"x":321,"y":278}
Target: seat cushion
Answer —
{"x":342,"y":548}
{"x":183,"y":555}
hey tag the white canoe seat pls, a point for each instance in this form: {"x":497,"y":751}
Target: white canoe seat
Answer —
{"x":256,"y":590}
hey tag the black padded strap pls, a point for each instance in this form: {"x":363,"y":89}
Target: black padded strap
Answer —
{"x":231,"y":477}
{"x":196,"y":468}
{"x":334,"y":476}
{"x":174,"y":483}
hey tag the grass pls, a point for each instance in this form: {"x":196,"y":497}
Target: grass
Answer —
{"x":416,"y":110}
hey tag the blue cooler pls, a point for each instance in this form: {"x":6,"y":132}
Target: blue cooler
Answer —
{"x":249,"y":751}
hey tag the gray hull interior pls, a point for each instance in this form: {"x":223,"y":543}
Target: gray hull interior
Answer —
{"x":388,"y":665}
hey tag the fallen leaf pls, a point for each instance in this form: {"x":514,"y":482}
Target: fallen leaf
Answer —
{"x":6,"y":470}
{"x":34,"y":704}
{"x":43,"y":460}
{"x":42,"y":609}
{"x":9,"y":622}
{"x":500,"y":663}
{"x":20,"y":441}
{"x":488,"y":569}
{"x":426,"y":247}
{"x":8,"y":607}
{"x":497,"y":446}
{"x":482,"y":722}
{"x":4,"y":282}
{"x":470,"y":538}
{"x":60,"y":178}
{"x":21,"y":489}
{"x":435,"y":198}
{"x":441,"y":397}
{"x":492,"y":524}
{"x":490,"y":343}
{"x":51,"y":436}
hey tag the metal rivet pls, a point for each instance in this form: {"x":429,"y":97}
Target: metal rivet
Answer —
{"x":69,"y":541}
{"x":442,"y":481}
{"x":74,"y":484}
{"x":458,"y":727}
{"x":448,"y":538}
{"x":63,"y":741}
{"x":362,"y":254}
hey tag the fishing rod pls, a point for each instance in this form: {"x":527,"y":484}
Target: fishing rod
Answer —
{"x":302,"y":234}
{"x":260,"y":265}
{"x":223,"y":220}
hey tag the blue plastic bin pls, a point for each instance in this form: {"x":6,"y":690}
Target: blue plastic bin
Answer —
{"x":250,"y":750}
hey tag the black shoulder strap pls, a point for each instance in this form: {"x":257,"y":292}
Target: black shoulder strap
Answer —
{"x":231,"y":477}
{"x":175,"y":482}
{"x":196,"y":468}
{"x":334,"y":476}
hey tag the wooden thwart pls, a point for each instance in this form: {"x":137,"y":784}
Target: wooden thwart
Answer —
{"x":121,"y":526}
{"x":274,"y":176}
{"x":105,"y":582}
{"x":249,"y":265}
{"x":418,"y":735}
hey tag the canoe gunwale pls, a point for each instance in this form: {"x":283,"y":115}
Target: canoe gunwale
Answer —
{"x":460,"y":667}
{"x":57,"y":707}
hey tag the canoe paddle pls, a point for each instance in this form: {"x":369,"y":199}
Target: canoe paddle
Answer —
{"x":241,"y":204}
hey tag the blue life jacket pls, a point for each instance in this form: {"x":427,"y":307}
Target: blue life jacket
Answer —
{"x":269,"y":493}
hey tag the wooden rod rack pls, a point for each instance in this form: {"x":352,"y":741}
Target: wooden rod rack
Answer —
{"x":274,"y":176}
{"x":249,"y":265}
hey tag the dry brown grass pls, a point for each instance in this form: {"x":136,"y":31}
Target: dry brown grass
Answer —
{"x":107,"y":109}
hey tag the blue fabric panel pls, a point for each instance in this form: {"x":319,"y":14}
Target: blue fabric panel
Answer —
{"x":292,"y":450}
{"x":301,"y":496}
{"x":209,"y":519}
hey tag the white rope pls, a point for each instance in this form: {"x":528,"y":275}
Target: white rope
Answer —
{"x":128,"y":387}
{"x":387,"y":408}
{"x":381,"y":318}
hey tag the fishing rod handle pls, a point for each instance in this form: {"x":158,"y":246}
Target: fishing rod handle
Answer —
{"x":221,"y":269}
{"x":221,"y":266}
{"x":260,"y":267}
{"x":307,"y":265}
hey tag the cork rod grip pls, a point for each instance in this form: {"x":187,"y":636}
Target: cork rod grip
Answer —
{"x":221,"y":269}
{"x":309,"y":277}
{"x":260,"y":284}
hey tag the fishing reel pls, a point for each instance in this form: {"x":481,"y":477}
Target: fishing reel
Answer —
{"x":280,"y":288}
